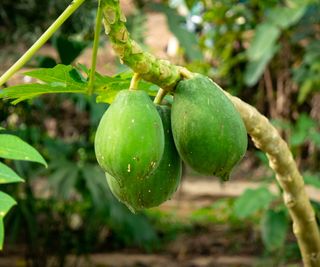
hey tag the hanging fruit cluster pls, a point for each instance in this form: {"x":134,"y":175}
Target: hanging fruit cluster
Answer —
{"x":140,"y":145}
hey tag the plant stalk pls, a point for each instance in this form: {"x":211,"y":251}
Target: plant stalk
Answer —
{"x":134,"y":81}
{"x":264,"y":135}
{"x":160,"y":95}
{"x":41,"y":41}
{"x":97,"y":32}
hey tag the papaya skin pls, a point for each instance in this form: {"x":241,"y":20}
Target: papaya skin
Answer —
{"x":129,"y":141}
{"x":207,"y":129}
{"x":159,"y":186}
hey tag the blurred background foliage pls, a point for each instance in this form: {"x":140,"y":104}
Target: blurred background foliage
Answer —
{"x":265,"y":52}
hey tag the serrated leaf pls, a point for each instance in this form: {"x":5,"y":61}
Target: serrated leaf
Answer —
{"x":12,"y":147}
{"x":63,"y":74}
{"x":274,"y":228}
{"x":263,"y":42}
{"x":108,"y":87}
{"x":60,"y":79}
{"x":251,"y":201}
{"x":7,"y":175}
{"x":28,"y":91}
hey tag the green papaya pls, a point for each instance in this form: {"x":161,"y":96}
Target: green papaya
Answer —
{"x":129,"y":141}
{"x":139,"y":193}
{"x":208,"y":131}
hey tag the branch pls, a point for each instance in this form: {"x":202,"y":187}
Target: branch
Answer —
{"x":264,"y":135}
{"x":158,"y":71}
{"x":267,"y":138}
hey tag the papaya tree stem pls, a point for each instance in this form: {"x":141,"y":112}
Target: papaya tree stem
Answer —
{"x":264,"y":135}
{"x":95,"y":48}
{"x":41,"y":41}
{"x":159,"y":97}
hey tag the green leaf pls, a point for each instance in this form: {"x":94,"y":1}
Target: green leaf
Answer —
{"x":263,"y":42}
{"x":7,"y":175}
{"x":60,"y":79}
{"x":285,"y":17}
{"x":108,"y":87}
{"x":66,"y":75}
{"x":274,"y":228}
{"x":12,"y":147}
{"x":251,"y":201}
{"x":254,"y":69}
{"x":6,"y":203}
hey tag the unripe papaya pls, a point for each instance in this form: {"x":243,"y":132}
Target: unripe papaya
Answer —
{"x":129,"y":141}
{"x":139,"y":193}
{"x":208,"y":131}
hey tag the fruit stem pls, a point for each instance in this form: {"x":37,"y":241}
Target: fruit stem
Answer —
{"x":160,"y":95}
{"x":95,"y":48}
{"x":135,"y":81}
{"x":41,"y":41}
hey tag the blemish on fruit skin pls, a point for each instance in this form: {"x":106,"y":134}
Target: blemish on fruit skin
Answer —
{"x":132,"y":120}
{"x":129,"y":167}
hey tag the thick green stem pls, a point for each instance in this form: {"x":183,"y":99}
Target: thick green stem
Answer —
{"x":97,"y":32}
{"x":264,"y":135}
{"x":160,"y":72}
{"x":41,"y":41}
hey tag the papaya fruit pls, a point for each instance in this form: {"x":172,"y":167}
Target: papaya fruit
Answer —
{"x":208,"y":131}
{"x":139,"y":193}
{"x":129,"y":141}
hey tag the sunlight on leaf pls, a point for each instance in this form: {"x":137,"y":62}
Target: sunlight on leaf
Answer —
{"x":7,"y":175}
{"x":12,"y":147}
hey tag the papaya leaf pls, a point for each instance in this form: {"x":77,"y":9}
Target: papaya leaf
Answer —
{"x":12,"y":147}
{"x":274,"y":228}
{"x":7,"y":175}
{"x":252,"y":201}
{"x":59,"y":79}
{"x":69,"y":79}
{"x":108,"y":87}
